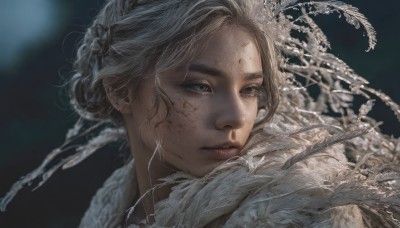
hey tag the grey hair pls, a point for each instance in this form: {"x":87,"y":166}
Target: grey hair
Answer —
{"x":128,"y":39}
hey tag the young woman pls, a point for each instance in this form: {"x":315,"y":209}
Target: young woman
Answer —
{"x":211,"y":98}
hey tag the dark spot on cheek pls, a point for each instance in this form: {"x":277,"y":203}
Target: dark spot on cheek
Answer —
{"x":169,"y":124}
{"x":245,"y":44}
{"x":240,"y":60}
{"x":179,"y":128}
{"x":184,"y":113}
{"x":186,"y":104}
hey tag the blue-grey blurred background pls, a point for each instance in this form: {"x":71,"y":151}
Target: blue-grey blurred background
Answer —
{"x":38,"y":39}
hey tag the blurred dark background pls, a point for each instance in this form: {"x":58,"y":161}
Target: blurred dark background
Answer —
{"x":37,"y":46}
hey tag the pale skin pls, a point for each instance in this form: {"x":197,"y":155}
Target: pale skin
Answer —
{"x":214,"y":106}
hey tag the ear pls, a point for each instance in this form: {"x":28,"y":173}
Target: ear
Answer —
{"x":121,"y":103}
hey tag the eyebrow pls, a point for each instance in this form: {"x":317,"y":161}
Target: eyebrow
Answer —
{"x":204,"y":69}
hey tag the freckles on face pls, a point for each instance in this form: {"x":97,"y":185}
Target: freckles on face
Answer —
{"x":181,"y":116}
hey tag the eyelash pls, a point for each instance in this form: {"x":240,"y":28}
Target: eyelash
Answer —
{"x":195,"y":87}
{"x":256,"y":90}
{"x":204,"y":88}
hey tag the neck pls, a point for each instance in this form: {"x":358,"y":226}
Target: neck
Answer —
{"x":149,"y":169}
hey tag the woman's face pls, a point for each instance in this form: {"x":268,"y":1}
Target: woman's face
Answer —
{"x":213,"y":109}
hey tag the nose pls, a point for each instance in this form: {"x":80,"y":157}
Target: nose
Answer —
{"x":231,"y":113}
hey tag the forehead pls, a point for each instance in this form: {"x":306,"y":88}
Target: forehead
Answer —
{"x":231,"y":45}
{"x":230,"y":50}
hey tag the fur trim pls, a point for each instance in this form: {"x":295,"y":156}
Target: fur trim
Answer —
{"x":108,"y":206}
{"x":254,"y":191}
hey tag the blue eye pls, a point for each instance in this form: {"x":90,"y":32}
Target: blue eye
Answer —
{"x":198,"y":87}
{"x":252,"y":91}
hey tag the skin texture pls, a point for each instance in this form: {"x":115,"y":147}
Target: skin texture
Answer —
{"x":213,"y":104}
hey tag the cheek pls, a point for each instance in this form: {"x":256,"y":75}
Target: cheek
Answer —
{"x":177,"y":134}
{"x":251,"y":116}
{"x":183,"y":117}
{"x":254,"y":113}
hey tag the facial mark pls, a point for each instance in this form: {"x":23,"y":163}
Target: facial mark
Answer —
{"x":186,"y":104}
{"x":245,"y":44}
